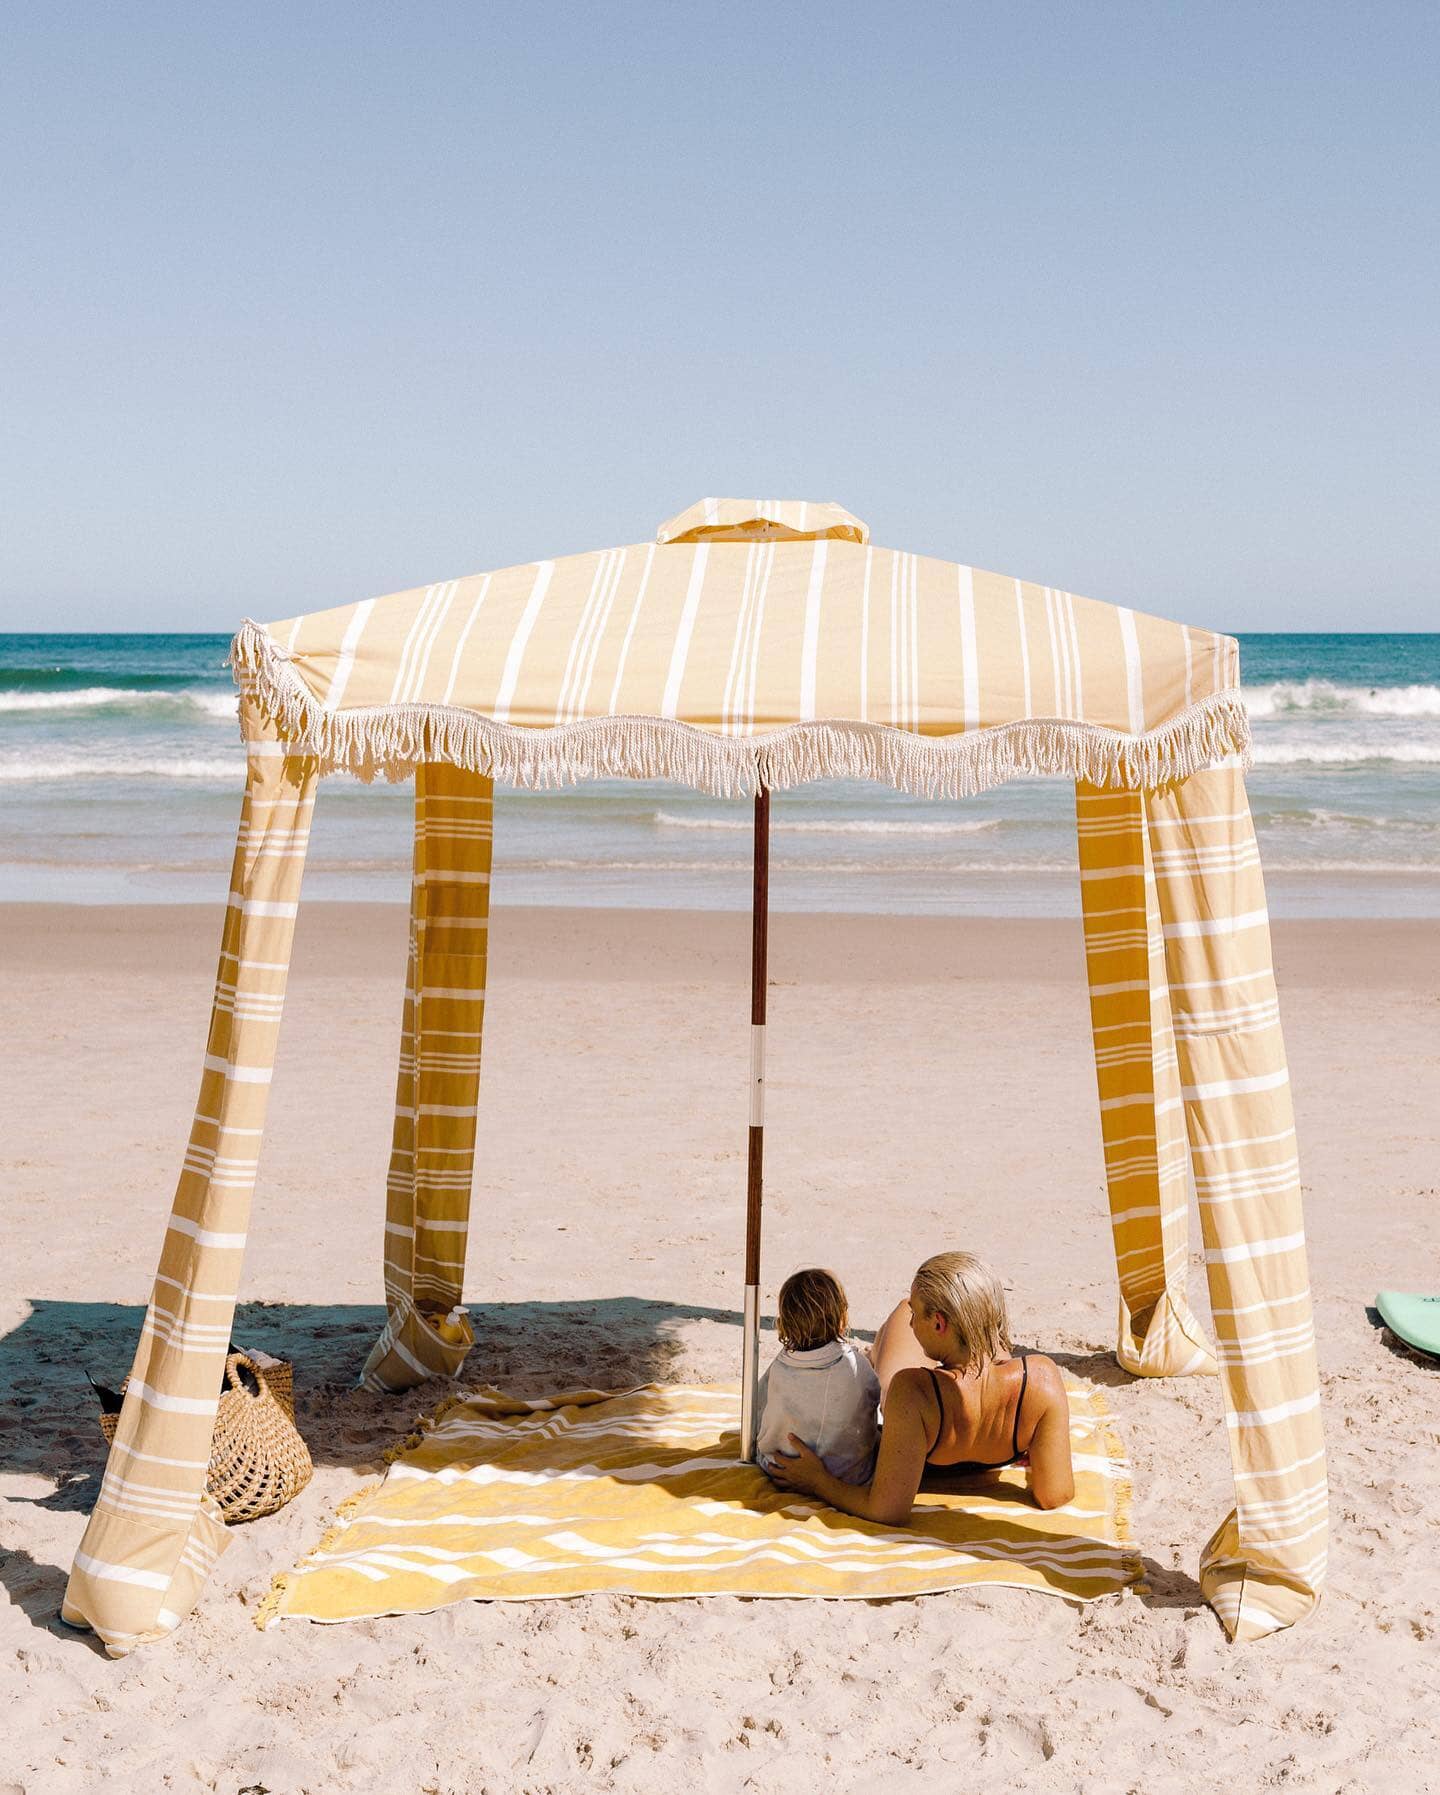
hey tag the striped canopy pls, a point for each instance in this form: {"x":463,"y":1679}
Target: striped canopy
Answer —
{"x":757,"y":643}
{"x":753,"y":641}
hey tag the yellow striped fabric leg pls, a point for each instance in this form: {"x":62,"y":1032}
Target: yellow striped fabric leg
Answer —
{"x":154,"y":1533}
{"x":1142,"y":1119}
{"x":427,"y":1209}
{"x":1264,"y":1566}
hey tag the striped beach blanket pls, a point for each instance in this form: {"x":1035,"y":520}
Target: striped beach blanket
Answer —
{"x":641,"y":1492}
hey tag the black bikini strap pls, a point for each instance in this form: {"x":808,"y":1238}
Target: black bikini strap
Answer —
{"x":1024,"y":1386}
{"x":940,"y":1401}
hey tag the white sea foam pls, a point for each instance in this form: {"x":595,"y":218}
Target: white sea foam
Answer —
{"x":34,"y":769}
{"x":1342,"y":819}
{"x":1323,"y":697}
{"x":1426,"y":869}
{"x":809,"y":869}
{"x":1342,"y":753}
{"x":193,"y":700}
{"x":664,"y":819}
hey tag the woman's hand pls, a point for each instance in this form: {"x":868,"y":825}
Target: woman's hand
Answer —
{"x":799,"y":1469}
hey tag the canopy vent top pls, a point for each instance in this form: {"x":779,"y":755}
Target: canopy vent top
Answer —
{"x":763,"y":520}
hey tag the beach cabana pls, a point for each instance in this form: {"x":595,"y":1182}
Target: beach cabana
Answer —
{"x":752,"y":646}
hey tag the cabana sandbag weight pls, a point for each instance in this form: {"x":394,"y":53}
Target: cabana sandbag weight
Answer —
{"x":258,"y":1460}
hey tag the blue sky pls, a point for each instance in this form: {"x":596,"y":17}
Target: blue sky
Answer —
{"x":310,"y":302}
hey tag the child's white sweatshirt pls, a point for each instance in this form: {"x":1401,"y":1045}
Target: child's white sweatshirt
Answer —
{"x":829,"y":1397}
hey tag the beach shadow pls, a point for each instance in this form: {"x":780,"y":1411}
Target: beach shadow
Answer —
{"x":1401,"y":1349}
{"x":36,"y":1590}
{"x":1096,"y":1368}
{"x":49,"y":1427}
{"x":1166,"y":1587}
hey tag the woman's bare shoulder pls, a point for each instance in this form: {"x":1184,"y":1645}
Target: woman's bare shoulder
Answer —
{"x":1045,"y":1377}
{"x":910,"y":1387}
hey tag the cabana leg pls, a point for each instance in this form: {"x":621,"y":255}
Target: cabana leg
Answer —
{"x":759,"y":956}
{"x":155,"y":1531}
{"x":1265,"y":1564}
{"x":1142,"y":1116}
{"x":432,"y":1157}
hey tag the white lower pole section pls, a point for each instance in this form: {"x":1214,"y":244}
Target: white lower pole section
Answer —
{"x":750,"y":1375}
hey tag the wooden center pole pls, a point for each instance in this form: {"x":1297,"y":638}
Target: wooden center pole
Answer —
{"x":755,"y":1184}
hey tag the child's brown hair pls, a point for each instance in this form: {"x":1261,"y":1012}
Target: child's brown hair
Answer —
{"x":812,"y":1311}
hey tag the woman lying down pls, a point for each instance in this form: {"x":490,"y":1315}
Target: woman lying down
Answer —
{"x":957,"y":1400}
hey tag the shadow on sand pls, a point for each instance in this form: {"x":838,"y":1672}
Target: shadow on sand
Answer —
{"x":48,"y":1427}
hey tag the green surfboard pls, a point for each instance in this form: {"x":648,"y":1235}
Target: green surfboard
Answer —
{"x":1416,"y":1319}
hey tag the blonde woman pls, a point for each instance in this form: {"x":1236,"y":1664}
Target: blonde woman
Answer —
{"x":958,"y":1401}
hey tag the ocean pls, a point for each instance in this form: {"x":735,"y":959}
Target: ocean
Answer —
{"x":120,"y":780}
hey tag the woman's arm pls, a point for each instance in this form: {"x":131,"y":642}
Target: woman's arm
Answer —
{"x":890,"y":1494}
{"x":1052,"y":1475}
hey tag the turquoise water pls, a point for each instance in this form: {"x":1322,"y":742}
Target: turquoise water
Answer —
{"x":120,"y":778}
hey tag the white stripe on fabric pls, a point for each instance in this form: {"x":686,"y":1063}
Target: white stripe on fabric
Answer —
{"x":238,"y":1074}
{"x":510,"y":678}
{"x":865,"y":638}
{"x":1254,"y":1249}
{"x":766,"y":567}
{"x":598,"y":631}
{"x":346,"y":660}
{"x":1282,"y":1411}
{"x":1062,"y":633}
{"x":175,"y":1405}
{"x":1024,"y":644}
{"x":630,"y":627}
{"x":1056,"y":667}
{"x":1249,"y":1140}
{"x":120,"y":1573}
{"x":457,"y":658}
{"x":1073,"y":627}
{"x":421,"y":667}
{"x":1217,"y":925}
{"x":206,"y":1237}
{"x":914,"y":641}
{"x":810,"y":646}
{"x":895,"y":718}
{"x":733,"y":711}
{"x":680,"y":653}
{"x":1134,"y":689}
{"x":154,"y":1458}
{"x":969,"y":652}
{"x":594,"y":606}
{"x":1257,"y":1474}
{"x":400,"y":685}
{"x":1236,"y":1087}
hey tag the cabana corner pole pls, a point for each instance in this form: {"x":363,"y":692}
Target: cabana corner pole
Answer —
{"x":754,"y":1191}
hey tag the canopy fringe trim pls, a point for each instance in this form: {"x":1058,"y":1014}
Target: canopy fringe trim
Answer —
{"x":389,"y":741}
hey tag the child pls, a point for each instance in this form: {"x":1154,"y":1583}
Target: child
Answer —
{"x":821,"y":1387}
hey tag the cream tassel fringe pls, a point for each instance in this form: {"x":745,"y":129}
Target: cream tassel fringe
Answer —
{"x":391,"y":740}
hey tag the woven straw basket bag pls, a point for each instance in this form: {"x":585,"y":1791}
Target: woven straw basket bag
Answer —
{"x":258,"y":1461}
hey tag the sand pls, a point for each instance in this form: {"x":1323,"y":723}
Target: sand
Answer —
{"x":930,"y":1086}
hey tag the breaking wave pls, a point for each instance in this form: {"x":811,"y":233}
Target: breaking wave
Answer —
{"x":1324,"y":698}
{"x":664,"y":819}
{"x":16,"y":768}
{"x":191,"y":702}
{"x":1341,"y":753}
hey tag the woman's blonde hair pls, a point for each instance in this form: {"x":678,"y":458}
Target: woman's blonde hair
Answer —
{"x":812,"y":1310}
{"x":967,"y":1293}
